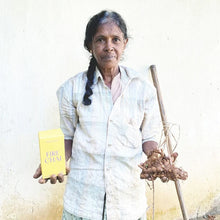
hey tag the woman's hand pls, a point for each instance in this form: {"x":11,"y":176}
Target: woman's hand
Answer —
{"x":149,"y":147}
{"x":53,"y":178}
{"x":60,"y":177}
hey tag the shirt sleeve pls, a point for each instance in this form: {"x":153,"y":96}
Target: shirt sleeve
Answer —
{"x":151,"y":124}
{"x":68,"y":117}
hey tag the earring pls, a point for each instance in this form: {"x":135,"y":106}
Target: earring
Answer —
{"x":90,"y":51}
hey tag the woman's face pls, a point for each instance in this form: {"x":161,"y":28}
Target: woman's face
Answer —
{"x":108,"y":45}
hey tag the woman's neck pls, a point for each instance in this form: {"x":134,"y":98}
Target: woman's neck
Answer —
{"x":108,"y":74}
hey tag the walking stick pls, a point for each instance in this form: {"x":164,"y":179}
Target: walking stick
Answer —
{"x":166,"y":133}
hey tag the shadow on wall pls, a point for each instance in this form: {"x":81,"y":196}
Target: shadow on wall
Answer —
{"x":51,"y":207}
{"x":212,"y":214}
{"x":15,"y":207}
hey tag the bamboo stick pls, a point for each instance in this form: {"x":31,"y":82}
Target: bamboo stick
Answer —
{"x":166,"y":133}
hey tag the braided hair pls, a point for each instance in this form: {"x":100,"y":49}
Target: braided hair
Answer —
{"x":89,"y":83}
{"x":91,"y":30}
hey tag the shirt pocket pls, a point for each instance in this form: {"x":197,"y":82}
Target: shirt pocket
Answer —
{"x":130,"y":134}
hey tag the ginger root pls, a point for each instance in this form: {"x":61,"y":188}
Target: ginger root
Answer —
{"x":161,"y":166}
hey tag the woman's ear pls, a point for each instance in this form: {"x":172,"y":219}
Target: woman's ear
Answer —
{"x":90,"y":47}
{"x":125,"y":43}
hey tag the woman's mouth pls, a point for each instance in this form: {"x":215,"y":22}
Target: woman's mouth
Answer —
{"x":108,"y":57}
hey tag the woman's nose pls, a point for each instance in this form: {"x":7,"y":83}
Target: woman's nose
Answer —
{"x":109,"y":46}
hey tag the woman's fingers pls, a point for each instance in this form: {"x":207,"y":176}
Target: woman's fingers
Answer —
{"x":60,"y":177}
{"x":38,"y":172}
{"x":42,"y":180}
{"x":67,"y":170}
{"x":53,"y":179}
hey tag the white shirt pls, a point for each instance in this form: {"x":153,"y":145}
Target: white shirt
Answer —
{"x":116,"y":87}
{"x":107,"y":145}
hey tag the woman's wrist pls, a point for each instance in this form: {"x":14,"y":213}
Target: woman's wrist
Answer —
{"x":68,"y":149}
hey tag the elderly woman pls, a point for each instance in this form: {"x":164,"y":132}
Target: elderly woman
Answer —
{"x":109,"y":116}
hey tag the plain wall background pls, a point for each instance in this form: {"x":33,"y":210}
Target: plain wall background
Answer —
{"x":41,"y":46}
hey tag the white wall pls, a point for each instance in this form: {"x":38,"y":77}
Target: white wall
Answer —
{"x":41,"y":45}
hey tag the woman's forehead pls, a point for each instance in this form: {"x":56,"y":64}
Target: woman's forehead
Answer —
{"x":108,"y":28}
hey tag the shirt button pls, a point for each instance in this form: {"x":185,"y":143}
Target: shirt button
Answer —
{"x":109,"y":145}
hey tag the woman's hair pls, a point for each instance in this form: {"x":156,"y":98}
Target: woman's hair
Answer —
{"x":91,"y":29}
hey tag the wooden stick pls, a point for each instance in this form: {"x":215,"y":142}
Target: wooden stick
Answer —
{"x":166,"y":133}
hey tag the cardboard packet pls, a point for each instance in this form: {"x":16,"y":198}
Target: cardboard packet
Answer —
{"x":52,"y":152}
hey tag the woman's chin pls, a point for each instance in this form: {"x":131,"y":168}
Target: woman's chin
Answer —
{"x":109,"y":64}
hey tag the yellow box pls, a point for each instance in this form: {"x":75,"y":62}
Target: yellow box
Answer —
{"x":52,"y":152}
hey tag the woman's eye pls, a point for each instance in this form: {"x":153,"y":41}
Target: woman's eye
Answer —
{"x":116,"y":39}
{"x":100,"y":40}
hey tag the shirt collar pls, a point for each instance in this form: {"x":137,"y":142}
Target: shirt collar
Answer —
{"x":98,"y":76}
{"x":126,"y":75}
